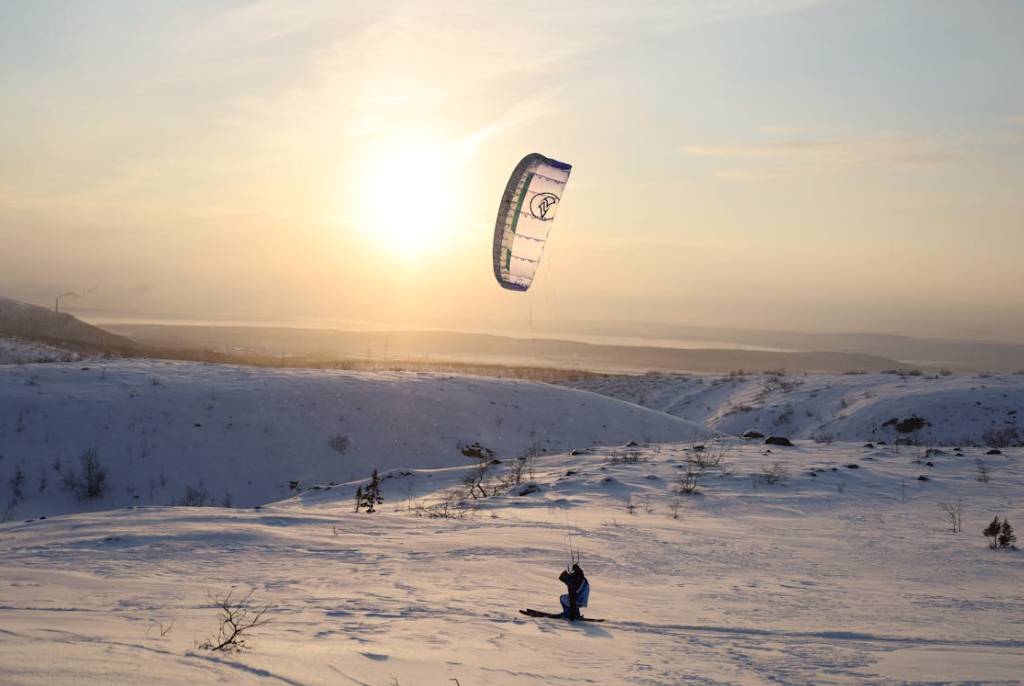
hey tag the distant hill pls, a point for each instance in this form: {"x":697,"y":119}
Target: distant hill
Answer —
{"x":919,"y":409}
{"x":959,"y":355}
{"x":322,"y":345}
{"x":162,"y":428}
{"x":42,"y":324}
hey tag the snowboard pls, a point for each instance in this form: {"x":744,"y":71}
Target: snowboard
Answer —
{"x":554,"y":615}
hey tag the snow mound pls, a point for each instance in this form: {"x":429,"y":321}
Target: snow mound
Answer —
{"x":953,"y":409}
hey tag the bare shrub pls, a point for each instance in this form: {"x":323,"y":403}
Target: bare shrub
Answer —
{"x":91,"y":483}
{"x":707,"y":458}
{"x":196,"y":497}
{"x":338,"y":442}
{"x":954,"y":514}
{"x":983,"y":472}
{"x":628,"y":457}
{"x":7,"y":511}
{"x":522,"y":467}
{"x":17,"y":482}
{"x":1006,"y":437}
{"x":477,"y":483}
{"x":687,"y":484}
{"x":94,"y":475}
{"x":164,"y":630}
{"x":630,"y":505}
{"x":774,"y":474}
{"x":237,"y":617}
{"x":451,"y":506}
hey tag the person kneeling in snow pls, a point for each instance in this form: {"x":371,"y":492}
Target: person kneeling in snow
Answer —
{"x":579,"y":592}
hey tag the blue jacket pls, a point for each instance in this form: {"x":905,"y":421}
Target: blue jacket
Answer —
{"x":583,"y":594}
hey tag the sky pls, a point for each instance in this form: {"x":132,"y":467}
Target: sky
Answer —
{"x":810,"y":165}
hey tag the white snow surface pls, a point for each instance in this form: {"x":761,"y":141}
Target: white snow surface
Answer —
{"x":250,"y":436}
{"x":845,"y":571}
{"x":15,"y":350}
{"x":847,"y":577}
{"x":960,"y":409}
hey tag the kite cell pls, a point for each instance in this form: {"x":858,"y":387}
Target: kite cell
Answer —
{"x":527,"y":210}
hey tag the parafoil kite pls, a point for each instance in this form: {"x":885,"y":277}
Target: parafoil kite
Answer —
{"x":525,"y":215}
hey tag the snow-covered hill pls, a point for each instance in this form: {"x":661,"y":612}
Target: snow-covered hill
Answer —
{"x":167,"y":432}
{"x":14,"y":350}
{"x":31,"y":321}
{"x":954,"y":409}
{"x":843,"y":571}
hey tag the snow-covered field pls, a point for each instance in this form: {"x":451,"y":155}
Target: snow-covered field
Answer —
{"x":842,"y":571}
{"x":846,"y":577}
{"x":957,"y":409}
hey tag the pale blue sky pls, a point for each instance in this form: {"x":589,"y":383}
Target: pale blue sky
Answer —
{"x":794,"y":164}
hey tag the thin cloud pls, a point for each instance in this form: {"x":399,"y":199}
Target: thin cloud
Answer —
{"x":807,"y":157}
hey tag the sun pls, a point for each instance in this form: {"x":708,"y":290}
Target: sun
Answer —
{"x":404,"y":195}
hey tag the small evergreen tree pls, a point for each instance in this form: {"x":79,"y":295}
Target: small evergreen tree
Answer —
{"x":992,"y":531}
{"x":372,"y":496}
{"x":359,"y":497}
{"x":1006,"y":536}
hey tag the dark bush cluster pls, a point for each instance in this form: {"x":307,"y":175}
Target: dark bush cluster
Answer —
{"x":1001,"y":534}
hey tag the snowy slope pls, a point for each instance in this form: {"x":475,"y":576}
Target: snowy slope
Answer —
{"x":15,"y":350}
{"x":22,"y":319}
{"x":959,"y":409}
{"x":846,"y":577}
{"x":249,"y":436}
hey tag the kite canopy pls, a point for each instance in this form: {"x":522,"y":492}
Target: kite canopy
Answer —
{"x":525,"y":215}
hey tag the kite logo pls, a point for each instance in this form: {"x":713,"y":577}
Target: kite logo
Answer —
{"x":541,"y":204}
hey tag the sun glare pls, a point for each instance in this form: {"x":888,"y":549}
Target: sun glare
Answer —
{"x":404,"y":196}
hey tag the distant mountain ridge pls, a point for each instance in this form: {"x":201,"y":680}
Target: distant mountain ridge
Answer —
{"x":42,"y":324}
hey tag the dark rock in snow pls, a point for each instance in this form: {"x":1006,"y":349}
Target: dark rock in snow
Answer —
{"x":753,"y":434}
{"x":922,"y":478}
{"x":778,"y":440}
{"x":853,"y":466}
{"x":994,"y":451}
{"x":869,"y":445}
{"x":477,"y":451}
